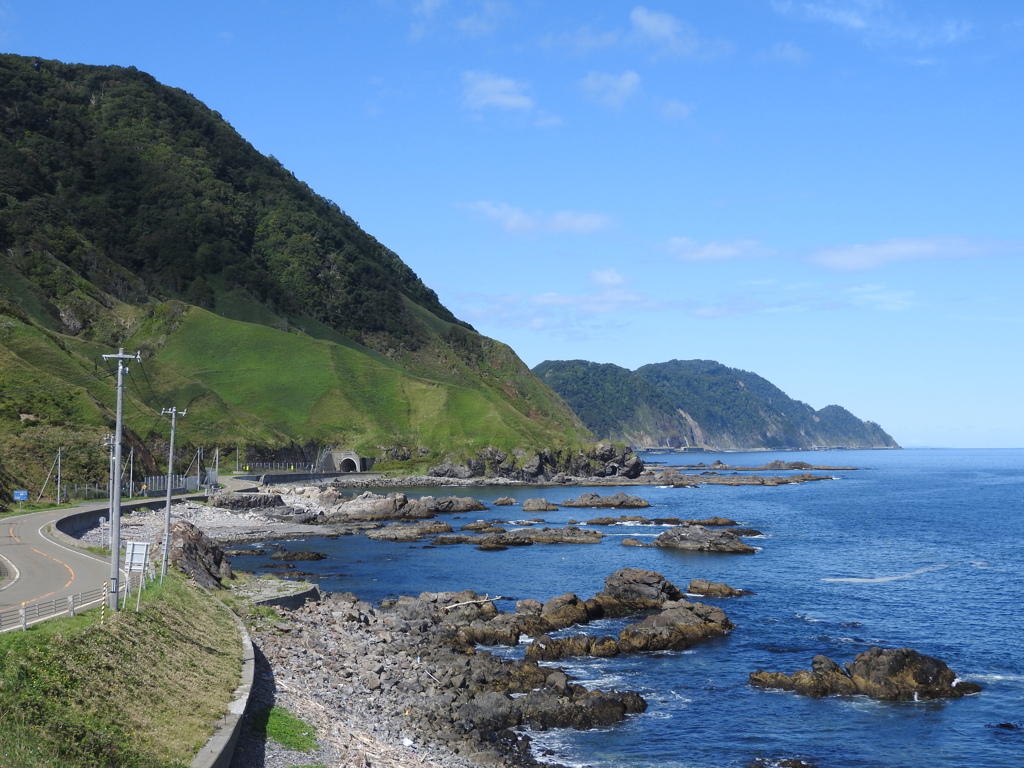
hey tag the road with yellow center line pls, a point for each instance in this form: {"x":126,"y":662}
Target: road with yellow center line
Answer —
{"x":38,"y":568}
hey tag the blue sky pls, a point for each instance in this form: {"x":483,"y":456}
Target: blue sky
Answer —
{"x":829,"y":193}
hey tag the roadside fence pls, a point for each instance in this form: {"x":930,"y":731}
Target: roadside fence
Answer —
{"x":27,"y":614}
{"x":298,"y":466}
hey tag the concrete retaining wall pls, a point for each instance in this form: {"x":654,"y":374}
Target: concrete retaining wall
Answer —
{"x":219,"y":750}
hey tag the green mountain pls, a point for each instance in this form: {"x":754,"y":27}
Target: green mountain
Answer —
{"x":701,"y":404}
{"x":132,"y":216}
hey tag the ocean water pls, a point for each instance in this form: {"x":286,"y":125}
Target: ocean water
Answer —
{"x":916,"y":548}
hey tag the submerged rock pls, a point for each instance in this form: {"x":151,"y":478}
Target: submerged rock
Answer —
{"x":289,"y":556}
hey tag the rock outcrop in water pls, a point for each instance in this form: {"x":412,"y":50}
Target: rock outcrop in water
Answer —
{"x":892,"y":675}
{"x":618,"y":500}
{"x":701,"y":539}
{"x":677,"y":625}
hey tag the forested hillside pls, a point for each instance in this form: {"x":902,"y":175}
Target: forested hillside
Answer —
{"x":132,"y":215}
{"x":701,"y":404}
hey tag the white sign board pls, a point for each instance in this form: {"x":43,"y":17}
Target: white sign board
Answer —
{"x":137,"y":556}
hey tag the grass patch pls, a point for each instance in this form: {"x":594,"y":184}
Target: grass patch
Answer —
{"x":142,"y":691}
{"x":286,"y":729}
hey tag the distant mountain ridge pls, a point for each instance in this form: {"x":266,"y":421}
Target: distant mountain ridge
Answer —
{"x":701,"y":404}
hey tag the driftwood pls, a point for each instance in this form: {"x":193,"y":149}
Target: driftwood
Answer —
{"x":485,"y":599}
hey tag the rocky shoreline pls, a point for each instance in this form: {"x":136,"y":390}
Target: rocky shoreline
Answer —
{"x":407,"y":682}
{"x":409,"y":677}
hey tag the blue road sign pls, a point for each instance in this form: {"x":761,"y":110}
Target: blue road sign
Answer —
{"x":21,"y":495}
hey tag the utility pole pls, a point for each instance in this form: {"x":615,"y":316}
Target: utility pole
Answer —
{"x":115,"y":487}
{"x":174,"y":413}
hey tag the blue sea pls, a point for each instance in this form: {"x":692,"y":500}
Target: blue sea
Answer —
{"x":916,"y":548}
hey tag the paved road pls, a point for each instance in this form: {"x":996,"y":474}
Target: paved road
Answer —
{"x":38,"y":569}
{"x":41,"y":569}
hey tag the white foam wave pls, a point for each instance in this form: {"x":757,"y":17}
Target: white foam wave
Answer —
{"x":659,"y":715}
{"x":993,"y":678}
{"x":883,"y":579}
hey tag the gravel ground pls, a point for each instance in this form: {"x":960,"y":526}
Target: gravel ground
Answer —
{"x":221,"y":525}
{"x":350,"y":739}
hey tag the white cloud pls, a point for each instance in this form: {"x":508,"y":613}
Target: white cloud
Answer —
{"x":852,"y":258}
{"x":665,"y":31}
{"x":664,"y":34}
{"x":657,"y":33}
{"x":424,"y":11}
{"x":878,"y":21}
{"x":578,"y":222}
{"x":608,"y":277}
{"x":611,"y":90}
{"x":518,"y":221}
{"x":674,"y":109}
{"x":879,"y":297}
{"x":790,"y":53}
{"x":603,"y":302}
{"x":484,"y":21}
{"x":687,"y":249}
{"x":572,"y":316}
{"x":482,"y":89}
{"x":585,"y":41}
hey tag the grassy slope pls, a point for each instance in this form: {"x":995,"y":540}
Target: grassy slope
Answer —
{"x":142,"y":690}
{"x":239,"y":378}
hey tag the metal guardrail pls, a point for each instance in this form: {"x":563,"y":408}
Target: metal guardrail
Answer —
{"x":32,"y":613}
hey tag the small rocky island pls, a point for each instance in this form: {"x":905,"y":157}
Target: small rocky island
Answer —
{"x":887,"y":674}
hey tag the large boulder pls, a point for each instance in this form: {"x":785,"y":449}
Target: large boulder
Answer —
{"x":428,"y":506}
{"x":409,"y":531}
{"x":564,"y":611}
{"x":638,"y":589}
{"x":714,"y":589}
{"x":618,"y":500}
{"x":701,"y":539}
{"x":368,"y":506}
{"x":539,"y":505}
{"x":888,"y":674}
{"x":681,"y":625}
{"x":547,"y":648}
{"x":398,"y":506}
{"x":578,"y":708}
{"x":195,"y":555}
